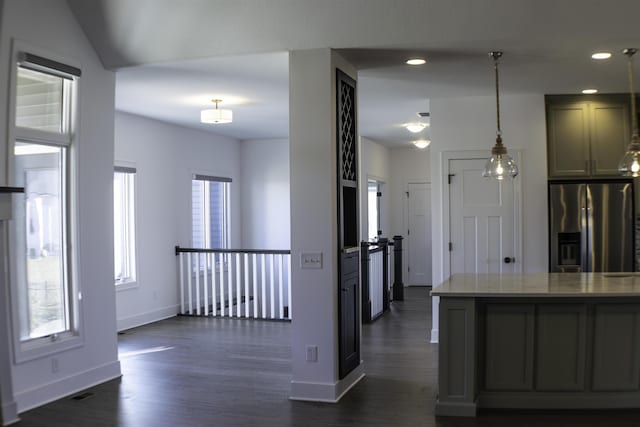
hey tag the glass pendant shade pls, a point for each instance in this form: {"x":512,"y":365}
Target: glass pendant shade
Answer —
{"x":630,"y":163}
{"x":500,"y":164}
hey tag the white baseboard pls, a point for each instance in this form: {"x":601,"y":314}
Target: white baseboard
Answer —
{"x":148,"y":317}
{"x":9,"y":414}
{"x":434,"y":336}
{"x":55,"y":390}
{"x":326,"y":392}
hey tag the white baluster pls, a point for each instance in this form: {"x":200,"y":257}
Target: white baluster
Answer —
{"x":198,"y":284}
{"x":181,"y":261}
{"x":264,"y":286}
{"x":255,"y":286}
{"x":206,"y":283}
{"x":280,"y":287}
{"x":189,"y":283}
{"x":289,"y":285}
{"x":214,"y":297}
{"x":238,"y":286}
{"x":272,"y":287}
{"x":246,"y":285}
{"x":221,"y":267}
{"x":230,"y":284}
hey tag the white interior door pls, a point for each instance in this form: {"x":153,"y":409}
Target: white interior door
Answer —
{"x":482,"y":220}
{"x":419,"y":235}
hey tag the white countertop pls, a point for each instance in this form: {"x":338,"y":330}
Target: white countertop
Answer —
{"x":540,"y":285}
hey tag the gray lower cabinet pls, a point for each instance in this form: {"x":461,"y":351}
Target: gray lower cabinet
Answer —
{"x":616,"y":355}
{"x":508,"y":355}
{"x":558,"y":353}
{"x":561,"y":333}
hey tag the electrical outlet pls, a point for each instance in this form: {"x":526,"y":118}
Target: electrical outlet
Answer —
{"x":312,"y":353}
{"x":312,"y":260}
{"x":54,"y":365}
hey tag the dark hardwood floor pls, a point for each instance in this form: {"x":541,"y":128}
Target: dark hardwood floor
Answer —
{"x":189,"y":371}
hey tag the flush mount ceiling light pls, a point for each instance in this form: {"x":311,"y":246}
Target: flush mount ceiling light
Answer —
{"x":630,"y":163}
{"x":422,"y":143}
{"x":601,"y":55}
{"x":500,"y":164}
{"x":216,"y":115}
{"x":415,"y":127}
{"x":589,"y":91}
{"x":415,"y":61}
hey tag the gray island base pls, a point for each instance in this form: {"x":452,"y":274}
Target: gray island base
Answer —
{"x":538,"y":341}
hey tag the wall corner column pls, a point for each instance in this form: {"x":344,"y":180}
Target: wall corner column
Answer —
{"x":314,"y":198}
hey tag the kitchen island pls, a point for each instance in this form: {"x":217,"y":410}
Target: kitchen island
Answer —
{"x":546,"y":340}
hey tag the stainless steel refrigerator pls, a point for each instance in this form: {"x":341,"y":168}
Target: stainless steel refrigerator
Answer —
{"x":591,"y":227}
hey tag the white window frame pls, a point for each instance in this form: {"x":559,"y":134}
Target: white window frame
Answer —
{"x":226,"y":222}
{"x":30,"y":349}
{"x":133,"y":280}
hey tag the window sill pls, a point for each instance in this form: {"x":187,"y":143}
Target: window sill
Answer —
{"x":126,"y":285}
{"x":43,"y":347}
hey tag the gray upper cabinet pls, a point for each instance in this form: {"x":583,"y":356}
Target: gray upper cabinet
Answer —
{"x":586,"y":136}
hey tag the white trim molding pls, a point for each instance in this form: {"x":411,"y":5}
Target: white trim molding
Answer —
{"x":148,"y":317}
{"x":326,"y":392}
{"x":55,"y":390}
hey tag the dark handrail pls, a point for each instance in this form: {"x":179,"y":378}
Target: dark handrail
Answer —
{"x":11,"y":189}
{"x":233,"y":251}
{"x":376,"y":248}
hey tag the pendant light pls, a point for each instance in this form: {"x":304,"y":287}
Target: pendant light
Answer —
{"x":500,"y":164}
{"x":630,"y":163}
{"x":217,"y":115}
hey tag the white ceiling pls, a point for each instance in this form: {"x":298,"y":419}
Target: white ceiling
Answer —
{"x":173,"y":57}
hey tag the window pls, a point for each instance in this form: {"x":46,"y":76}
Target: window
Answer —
{"x":124,"y":241}
{"x":373,"y":207}
{"x":43,"y":290}
{"x":209,"y":211}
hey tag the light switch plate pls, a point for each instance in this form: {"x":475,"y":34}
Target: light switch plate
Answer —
{"x":312,"y":260}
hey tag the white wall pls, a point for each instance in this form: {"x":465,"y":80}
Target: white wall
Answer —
{"x":408,"y":165}
{"x":265,"y":194}
{"x":374,"y":164}
{"x":166,"y":157}
{"x":469,"y":124}
{"x":50,"y":27}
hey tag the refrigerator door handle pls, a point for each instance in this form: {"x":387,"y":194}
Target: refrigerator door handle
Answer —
{"x":584,"y":227}
{"x":583,"y":240}
{"x":587,"y":232}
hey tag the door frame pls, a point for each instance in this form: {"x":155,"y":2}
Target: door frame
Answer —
{"x":446,"y":157}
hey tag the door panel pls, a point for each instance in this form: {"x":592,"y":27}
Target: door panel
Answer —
{"x":616,"y":365}
{"x":481,"y":220}
{"x":568,"y":139}
{"x":349,"y":315}
{"x":610,"y":227}
{"x":609,"y":136}
{"x":561,"y":347}
{"x":508,"y":360}
{"x":419,"y":208}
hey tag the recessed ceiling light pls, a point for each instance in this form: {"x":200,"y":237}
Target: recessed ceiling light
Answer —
{"x":589,"y":91}
{"x":415,"y":61}
{"x":415,"y":127}
{"x":422,"y":143}
{"x":601,"y":55}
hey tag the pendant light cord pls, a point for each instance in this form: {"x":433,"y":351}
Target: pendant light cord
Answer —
{"x":495,"y":67}
{"x":634,"y":115}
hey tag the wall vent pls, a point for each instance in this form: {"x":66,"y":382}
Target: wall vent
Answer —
{"x":425,"y":114}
